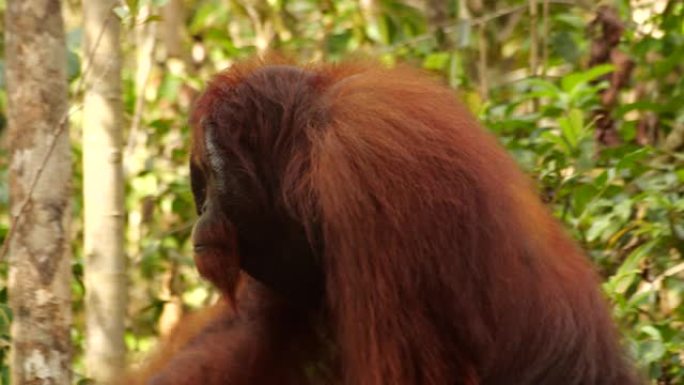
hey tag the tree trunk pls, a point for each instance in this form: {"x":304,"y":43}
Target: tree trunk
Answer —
{"x":103,"y":194}
{"x":40,"y":192}
{"x":173,"y":31}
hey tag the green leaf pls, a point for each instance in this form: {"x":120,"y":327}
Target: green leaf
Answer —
{"x":629,"y":160}
{"x":629,"y":271}
{"x":5,"y":318}
{"x":570,"y":82}
{"x":151,"y":19}
{"x":543,"y":88}
{"x":73,"y":65}
{"x":124,"y":13}
{"x":74,"y":39}
{"x":380,"y":30}
{"x":558,"y":141}
{"x":652,"y":349}
{"x":572,"y":127}
{"x":598,"y":227}
{"x":436,"y":61}
{"x":601,"y":180}
{"x":680,"y":174}
{"x":582,"y":196}
{"x":563,"y":45}
{"x":170,"y":87}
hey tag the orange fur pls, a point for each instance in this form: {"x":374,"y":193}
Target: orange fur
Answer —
{"x":218,"y":346}
{"x":188,"y":328}
{"x":395,"y":240}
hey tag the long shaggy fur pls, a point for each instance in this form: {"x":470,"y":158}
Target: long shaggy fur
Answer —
{"x":434,"y":260}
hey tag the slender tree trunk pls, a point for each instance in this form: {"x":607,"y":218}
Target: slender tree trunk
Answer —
{"x":103,"y":194}
{"x":534,"y":38}
{"x":40,"y":192}
{"x":145,"y":44}
{"x":173,"y":33}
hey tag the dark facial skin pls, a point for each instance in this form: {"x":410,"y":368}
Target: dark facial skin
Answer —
{"x":248,"y":140}
{"x":214,"y":237}
{"x":238,"y":230}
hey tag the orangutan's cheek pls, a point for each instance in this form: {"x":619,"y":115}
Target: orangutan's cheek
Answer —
{"x":216,"y":253}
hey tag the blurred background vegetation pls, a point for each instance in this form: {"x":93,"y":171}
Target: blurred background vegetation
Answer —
{"x":588,"y":96}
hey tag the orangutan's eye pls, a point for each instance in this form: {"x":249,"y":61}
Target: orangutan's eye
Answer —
{"x":198,"y":184}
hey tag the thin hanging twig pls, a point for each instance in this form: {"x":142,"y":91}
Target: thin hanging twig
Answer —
{"x":545,"y":38}
{"x":146,"y":44}
{"x":482,"y":48}
{"x":534,"y":38}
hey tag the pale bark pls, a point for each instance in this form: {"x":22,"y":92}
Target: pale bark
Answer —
{"x":173,"y":31}
{"x":103,"y":194}
{"x":145,"y":43}
{"x":534,"y":38}
{"x":40,"y":192}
